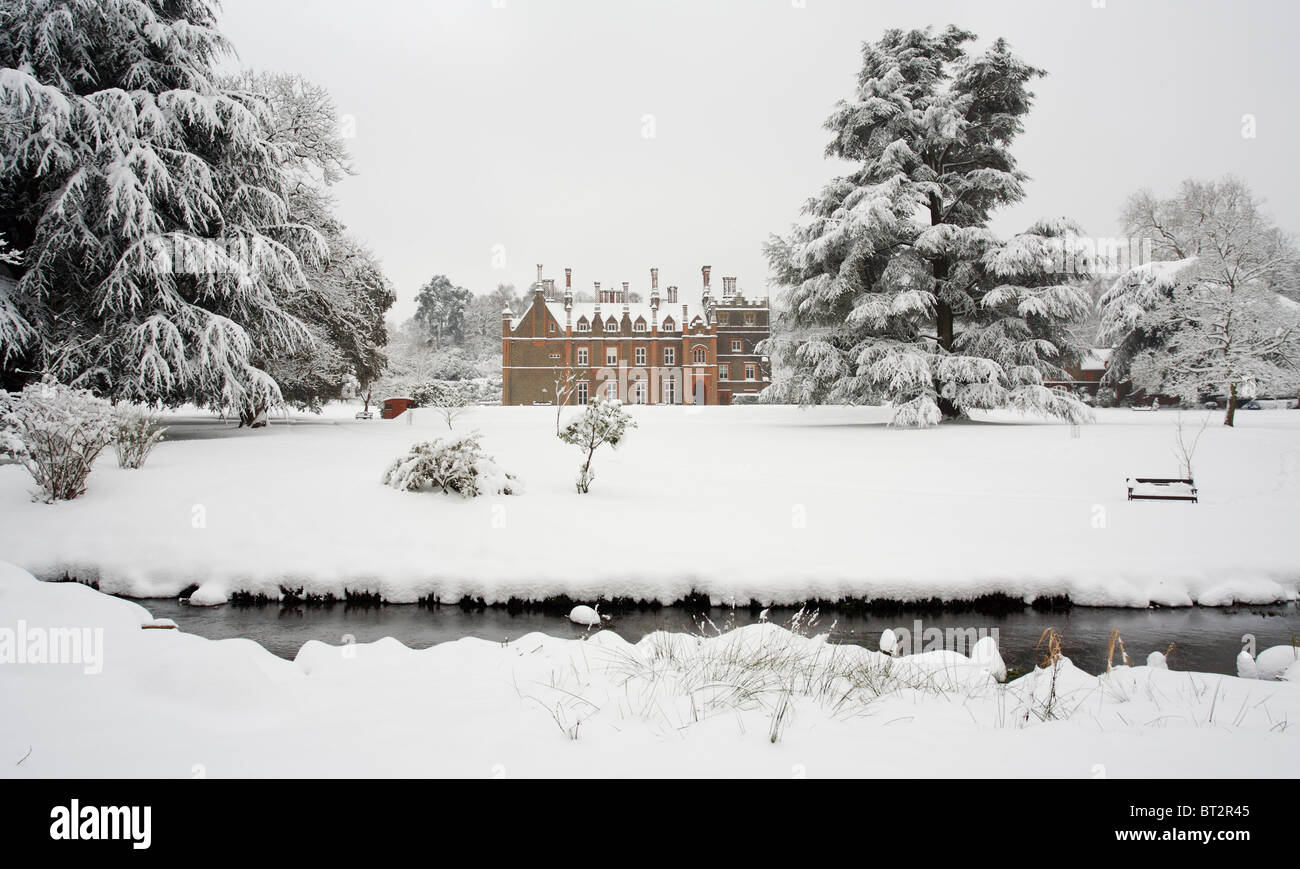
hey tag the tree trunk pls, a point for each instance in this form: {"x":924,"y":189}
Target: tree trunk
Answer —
{"x":1232,"y":405}
{"x":253,"y":416}
{"x":945,"y":333}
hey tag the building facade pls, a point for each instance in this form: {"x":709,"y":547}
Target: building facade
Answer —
{"x":667,"y":350}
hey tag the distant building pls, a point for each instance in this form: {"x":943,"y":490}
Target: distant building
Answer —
{"x":667,"y":350}
{"x":1086,"y":376}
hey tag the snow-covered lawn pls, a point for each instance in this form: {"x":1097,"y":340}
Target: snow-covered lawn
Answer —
{"x":759,"y":701}
{"x":767,"y":503}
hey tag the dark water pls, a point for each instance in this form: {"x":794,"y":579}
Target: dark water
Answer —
{"x":1205,"y":639}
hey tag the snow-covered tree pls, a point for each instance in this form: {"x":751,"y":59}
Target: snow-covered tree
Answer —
{"x":1210,"y":311}
{"x":151,"y":206}
{"x":1244,"y":339}
{"x":894,"y":288}
{"x":344,"y":297}
{"x":603,"y":421}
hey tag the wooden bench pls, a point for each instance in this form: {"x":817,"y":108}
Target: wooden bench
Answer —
{"x":1178,"y":489}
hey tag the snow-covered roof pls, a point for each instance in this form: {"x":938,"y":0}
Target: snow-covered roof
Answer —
{"x":667,"y":310}
{"x":1096,"y":359}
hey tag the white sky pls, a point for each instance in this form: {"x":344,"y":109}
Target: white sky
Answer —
{"x":514,"y":123}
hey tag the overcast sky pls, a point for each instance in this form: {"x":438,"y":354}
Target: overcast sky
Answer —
{"x":616,"y":136}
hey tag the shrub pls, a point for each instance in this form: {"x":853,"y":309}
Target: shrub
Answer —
{"x":602,"y":422}
{"x":56,"y":432}
{"x":135,"y":433}
{"x":453,"y":465}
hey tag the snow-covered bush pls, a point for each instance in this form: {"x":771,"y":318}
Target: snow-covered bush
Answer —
{"x":56,"y":432}
{"x":453,"y":465}
{"x":135,"y":433}
{"x":604,"y":421}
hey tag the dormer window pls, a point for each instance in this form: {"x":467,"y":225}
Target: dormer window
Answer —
{"x":639,"y":325}
{"x":611,"y":325}
{"x":669,"y":326}
{"x":583,"y":325}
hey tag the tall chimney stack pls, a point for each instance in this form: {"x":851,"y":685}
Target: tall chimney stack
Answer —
{"x":568,"y":279}
{"x":672,"y":295}
{"x":707,"y":270}
{"x":654,"y":279}
{"x":539,"y":275}
{"x":625,"y":294}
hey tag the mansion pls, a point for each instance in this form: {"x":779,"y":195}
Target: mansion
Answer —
{"x":662,"y":351}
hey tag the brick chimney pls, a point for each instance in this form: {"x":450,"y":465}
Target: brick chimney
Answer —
{"x":625,"y":295}
{"x":728,"y":289}
{"x":568,"y":280}
{"x":707,"y":270}
{"x":539,"y":276}
{"x":672,"y":295}
{"x":549,"y":286}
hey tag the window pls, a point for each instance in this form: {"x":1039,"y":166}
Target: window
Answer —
{"x":555,"y":355}
{"x":670,"y":391}
{"x":724,"y":372}
{"x":736,"y":347}
{"x":611,"y":355}
{"x":611,"y":389}
{"x":670,"y":355}
{"x":669,"y":326}
{"x":583,"y":325}
{"x":639,"y":326}
{"x":551,"y":328}
{"x":640,"y":356}
{"x":582,"y":355}
{"x":611,"y":325}
{"x":582,"y":392}
{"x":722,"y":318}
{"x":749,"y":372}
{"x":701,"y":355}
{"x":749,"y":319}
{"x":638,"y":392}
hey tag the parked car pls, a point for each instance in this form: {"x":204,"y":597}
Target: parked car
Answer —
{"x":1252,"y":405}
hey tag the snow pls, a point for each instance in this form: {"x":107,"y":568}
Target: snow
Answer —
{"x":1273,"y":662}
{"x":986,"y":655}
{"x":584,"y":615}
{"x":169,"y":704}
{"x":768,"y":503}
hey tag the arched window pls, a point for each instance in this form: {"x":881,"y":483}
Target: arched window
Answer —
{"x":700,"y":355}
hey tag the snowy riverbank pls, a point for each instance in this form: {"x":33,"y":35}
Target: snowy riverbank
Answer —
{"x":765,"y":503}
{"x":759,"y":701}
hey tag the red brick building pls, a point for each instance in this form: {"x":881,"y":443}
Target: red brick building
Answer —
{"x":667,"y":350}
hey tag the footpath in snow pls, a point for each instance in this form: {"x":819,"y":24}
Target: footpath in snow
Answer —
{"x":122,"y":701}
{"x":772,"y":504}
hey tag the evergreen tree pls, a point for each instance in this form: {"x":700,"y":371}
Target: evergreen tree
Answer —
{"x":894,"y":288}
{"x":440,"y":314}
{"x":150,"y":203}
